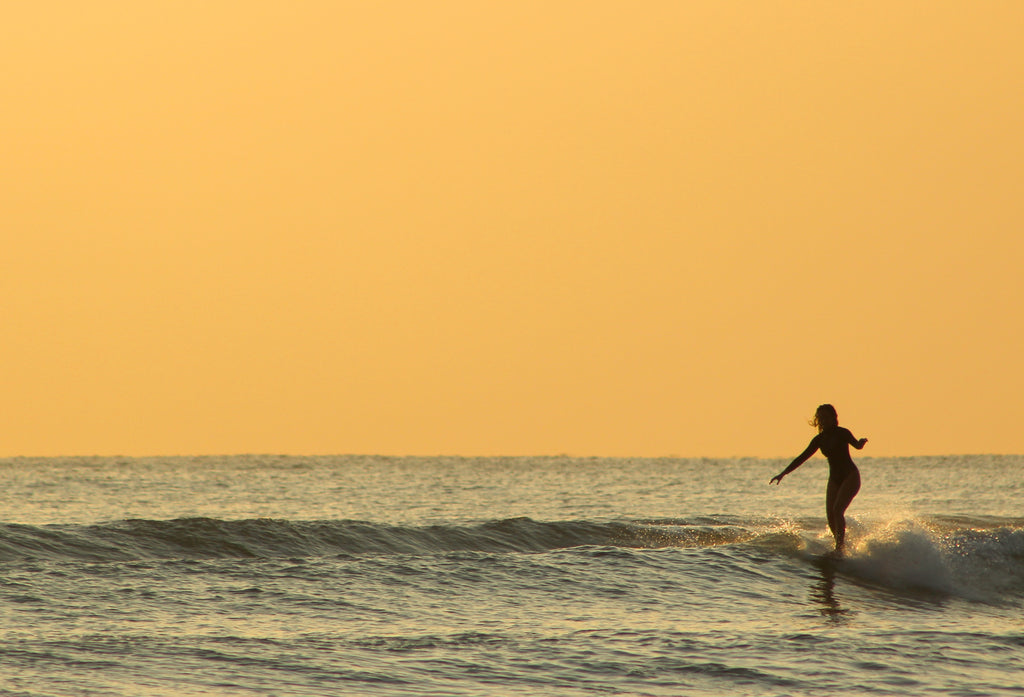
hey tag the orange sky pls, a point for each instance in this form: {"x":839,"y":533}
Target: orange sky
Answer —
{"x":596,"y":228}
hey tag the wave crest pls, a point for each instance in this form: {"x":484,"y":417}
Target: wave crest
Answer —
{"x":977,"y":559}
{"x":212,"y":538}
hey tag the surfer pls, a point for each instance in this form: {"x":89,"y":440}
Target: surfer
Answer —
{"x":843,"y":475}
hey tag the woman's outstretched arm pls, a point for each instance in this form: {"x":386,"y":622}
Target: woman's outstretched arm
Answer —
{"x":800,"y":459}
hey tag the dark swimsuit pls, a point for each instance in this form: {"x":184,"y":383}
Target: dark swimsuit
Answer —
{"x":834,"y":444}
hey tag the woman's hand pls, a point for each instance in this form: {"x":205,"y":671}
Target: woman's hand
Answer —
{"x":861,"y":442}
{"x":777,"y":479}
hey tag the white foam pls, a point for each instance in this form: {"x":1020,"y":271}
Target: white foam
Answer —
{"x":901,"y":554}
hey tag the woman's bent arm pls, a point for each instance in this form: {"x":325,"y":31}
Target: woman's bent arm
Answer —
{"x":858,"y":444}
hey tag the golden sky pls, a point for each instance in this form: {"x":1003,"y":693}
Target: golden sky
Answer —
{"x":596,"y":228}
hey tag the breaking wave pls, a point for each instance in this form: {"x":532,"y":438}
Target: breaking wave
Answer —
{"x":212,"y":538}
{"x":975,"y":558}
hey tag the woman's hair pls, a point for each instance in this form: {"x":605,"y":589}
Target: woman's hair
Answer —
{"x":825,"y":416}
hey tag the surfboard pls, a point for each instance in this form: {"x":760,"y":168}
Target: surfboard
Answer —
{"x":829,"y":560}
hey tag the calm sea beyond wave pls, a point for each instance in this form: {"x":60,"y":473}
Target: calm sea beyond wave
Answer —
{"x":271,"y":575}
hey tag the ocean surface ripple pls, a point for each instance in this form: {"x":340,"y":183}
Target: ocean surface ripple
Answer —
{"x":506,"y":576}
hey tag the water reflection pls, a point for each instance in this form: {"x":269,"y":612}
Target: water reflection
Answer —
{"x":823,"y":593}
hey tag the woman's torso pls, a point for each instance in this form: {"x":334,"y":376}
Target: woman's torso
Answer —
{"x":835,"y":445}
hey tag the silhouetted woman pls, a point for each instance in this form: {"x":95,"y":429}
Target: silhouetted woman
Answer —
{"x":843,"y":476}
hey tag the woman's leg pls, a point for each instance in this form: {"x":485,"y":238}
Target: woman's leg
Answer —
{"x":837,"y":500}
{"x":831,"y":493}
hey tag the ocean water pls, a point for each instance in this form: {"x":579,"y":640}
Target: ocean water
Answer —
{"x":269,"y":575}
